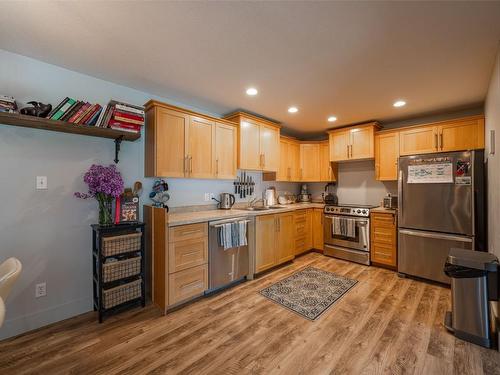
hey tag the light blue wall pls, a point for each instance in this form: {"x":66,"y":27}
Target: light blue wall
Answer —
{"x":49,"y":230}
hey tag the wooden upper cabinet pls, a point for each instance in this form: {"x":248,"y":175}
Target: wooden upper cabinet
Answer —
{"x":289,"y":160}
{"x":451,"y":135}
{"x":419,"y":140}
{"x":269,"y":147}
{"x":458,"y":135}
{"x":386,"y":156}
{"x":201,"y":148}
{"x":309,"y":162}
{"x":226,"y":150}
{"x":182,"y":143}
{"x":328,"y":170}
{"x":249,"y":156}
{"x":339,"y":145}
{"x":258,"y":142}
{"x":165,"y":143}
{"x":285,"y":239}
{"x":353,"y":143}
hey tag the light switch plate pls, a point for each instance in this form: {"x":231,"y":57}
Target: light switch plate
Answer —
{"x":41,"y":182}
{"x":40,"y":290}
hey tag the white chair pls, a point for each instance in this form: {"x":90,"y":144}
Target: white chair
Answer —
{"x":9,"y":272}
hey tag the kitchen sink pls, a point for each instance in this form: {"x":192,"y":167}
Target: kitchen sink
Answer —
{"x":261,"y":208}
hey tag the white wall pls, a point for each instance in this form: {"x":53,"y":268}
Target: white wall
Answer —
{"x":49,"y":230}
{"x":492,"y":113}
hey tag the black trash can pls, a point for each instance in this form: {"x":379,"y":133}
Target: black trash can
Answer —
{"x":474,"y":283}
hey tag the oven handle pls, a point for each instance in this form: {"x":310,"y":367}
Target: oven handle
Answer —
{"x":359,"y":220}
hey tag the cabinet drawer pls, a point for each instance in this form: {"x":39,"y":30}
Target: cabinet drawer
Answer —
{"x":300,"y":216}
{"x":384,"y":235}
{"x":300,"y":245}
{"x":188,"y":232}
{"x":384,"y":254}
{"x":386,"y":220}
{"x":187,"y":254}
{"x":187,"y":284}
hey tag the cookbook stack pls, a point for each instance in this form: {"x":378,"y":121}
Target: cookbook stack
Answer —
{"x":7,"y":104}
{"x":122,"y":116}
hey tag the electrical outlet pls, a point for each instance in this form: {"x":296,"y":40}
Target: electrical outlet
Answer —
{"x":40,"y":290}
{"x":41,"y":182}
{"x":207,"y":197}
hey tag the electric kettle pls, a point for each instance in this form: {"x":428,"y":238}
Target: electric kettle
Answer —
{"x":226,"y":201}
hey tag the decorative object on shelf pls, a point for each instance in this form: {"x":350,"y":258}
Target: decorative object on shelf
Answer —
{"x":37,"y":109}
{"x":105,"y":184}
{"x":159,"y":194}
{"x":8,"y":104}
{"x":244,"y":185}
{"x":118,"y":267}
{"x":127,"y":205}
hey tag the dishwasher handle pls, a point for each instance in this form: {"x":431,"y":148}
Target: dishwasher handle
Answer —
{"x":229,"y":222}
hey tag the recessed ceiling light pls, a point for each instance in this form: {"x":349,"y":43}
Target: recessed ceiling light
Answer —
{"x":332,"y":119}
{"x":252,"y":91}
{"x":399,"y":103}
{"x":293,"y":109}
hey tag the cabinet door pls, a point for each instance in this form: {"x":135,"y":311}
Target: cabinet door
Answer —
{"x":421,"y":140}
{"x":201,"y":150}
{"x":285,"y":240}
{"x":225,"y":151}
{"x":386,"y":156}
{"x":170,"y":143}
{"x":265,"y":234}
{"x":383,"y":249}
{"x":249,"y":145}
{"x":361,"y":145}
{"x":339,"y":145}
{"x":328,"y":171}
{"x":309,"y":162}
{"x":461,"y":135}
{"x":309,"y":233}
{"x":317,"y":228}
{"x":269,"y":147}
{"x":294,"y":159}
{"x":284,"y":167}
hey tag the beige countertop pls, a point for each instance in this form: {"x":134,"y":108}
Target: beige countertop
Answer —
{"x":383,"y":210}
{"x":182,"y":218}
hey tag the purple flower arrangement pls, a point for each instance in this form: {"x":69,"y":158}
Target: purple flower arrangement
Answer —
{"x":105,"y":184}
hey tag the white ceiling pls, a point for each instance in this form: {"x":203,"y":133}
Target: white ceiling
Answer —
{"x":351,"y":60}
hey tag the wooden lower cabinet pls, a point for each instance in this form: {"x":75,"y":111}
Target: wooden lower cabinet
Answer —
{"x":187,"y":284}
{"x":303,"y":230}
{"x":177,"y":259}
{"x":317,"y":228}
{"x":274,"y":240}
{"x":383,"y":249}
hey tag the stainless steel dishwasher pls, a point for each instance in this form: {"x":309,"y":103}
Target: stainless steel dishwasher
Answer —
{"x":228,"y":266}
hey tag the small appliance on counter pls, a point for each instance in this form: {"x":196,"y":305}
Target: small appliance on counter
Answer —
{"x":304,"y":195}
{"x":287,"y":198}
{"x":390,"y":202}
{"x":226,"y":201}
{"x":330,"y":197}
{"x":270,"y":198}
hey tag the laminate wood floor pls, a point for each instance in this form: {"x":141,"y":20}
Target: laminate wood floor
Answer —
{"x":385,"y":324}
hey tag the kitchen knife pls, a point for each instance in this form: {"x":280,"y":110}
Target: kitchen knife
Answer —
{"x":243,"y":178}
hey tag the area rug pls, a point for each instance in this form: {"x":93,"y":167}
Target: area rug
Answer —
{"x":309,"y":292}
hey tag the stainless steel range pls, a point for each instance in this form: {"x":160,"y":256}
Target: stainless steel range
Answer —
{"x":347,"y":232}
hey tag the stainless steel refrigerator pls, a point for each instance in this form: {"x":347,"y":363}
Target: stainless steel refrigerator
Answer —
{"x":441,"y":206}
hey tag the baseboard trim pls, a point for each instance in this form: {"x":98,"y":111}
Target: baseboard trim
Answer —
{"x":19,"y":325}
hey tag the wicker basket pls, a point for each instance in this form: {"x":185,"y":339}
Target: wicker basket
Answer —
{"x":112,"y":271}
{"x":121,"y":294}
{"x":121,"y":244}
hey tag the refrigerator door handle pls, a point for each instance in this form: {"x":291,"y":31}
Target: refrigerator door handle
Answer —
{"x":400,"y":196}
{"x":437,"y":236}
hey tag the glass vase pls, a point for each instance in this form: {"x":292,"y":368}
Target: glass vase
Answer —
{"x":105,"y":209}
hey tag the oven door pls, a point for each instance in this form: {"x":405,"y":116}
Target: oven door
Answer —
{"x":361,"y":241}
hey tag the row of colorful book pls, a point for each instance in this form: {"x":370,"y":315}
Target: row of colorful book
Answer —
{"x":115,"y":115}
{"x":7,"y":104}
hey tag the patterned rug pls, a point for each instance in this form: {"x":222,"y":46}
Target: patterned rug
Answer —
{"x":309,"y":292}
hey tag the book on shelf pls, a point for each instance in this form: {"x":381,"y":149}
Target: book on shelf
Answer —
{"x":101,"y":116}
{"x":82,"y":109}
{"x":93,"y":119}
{"x":70,"y":112}
{"x":57,"y":108}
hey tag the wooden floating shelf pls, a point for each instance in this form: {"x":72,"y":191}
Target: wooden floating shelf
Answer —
{"x":25,"y":121}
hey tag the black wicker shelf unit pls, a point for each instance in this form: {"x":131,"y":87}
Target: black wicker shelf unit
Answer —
{"x":118,"y":267}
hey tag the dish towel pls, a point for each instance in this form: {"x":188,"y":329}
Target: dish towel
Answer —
{"x":233,"y":235}
{"x":242,"y":231}
{"x":345,"y":227}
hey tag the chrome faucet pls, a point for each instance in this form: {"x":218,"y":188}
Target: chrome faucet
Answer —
{"x":254,"y":201}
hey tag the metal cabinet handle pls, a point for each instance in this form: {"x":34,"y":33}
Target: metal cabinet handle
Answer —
{"x":441,"y":140}
{"x":185,"y":164}
{"x":190,"y":164}
{"x":351,"y":150}
{"x":216,"y":166}
{"x":436,"y":141}
{"x":348,"y":151}
{"x":435,"y":236}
